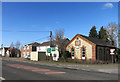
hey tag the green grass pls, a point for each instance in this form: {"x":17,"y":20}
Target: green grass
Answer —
{"x":62,"y":62}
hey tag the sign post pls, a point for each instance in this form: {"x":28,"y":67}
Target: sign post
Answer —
{"x":112,"y":53}
{"x":49,"y":50}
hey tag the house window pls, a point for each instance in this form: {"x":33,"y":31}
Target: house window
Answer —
{"x":77,"y":38}
{"x":83,"y":52}
{"x":28,"y":54}
{"x":72,"y":52}
{"x":27,"y":47}
{"x":77,"y":44}
{"x":54,"y":55}
{"x":34,"y":48}
{"x":24,"y":54}
{"x":24,"y":47}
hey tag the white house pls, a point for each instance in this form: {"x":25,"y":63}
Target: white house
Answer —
{"x":53,"y":51}
{"x":45,"y":52}
{"x":4,"y":51}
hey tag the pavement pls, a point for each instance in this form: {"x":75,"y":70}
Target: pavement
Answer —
{"x":106,"y":68}
{"x":16,"y":70}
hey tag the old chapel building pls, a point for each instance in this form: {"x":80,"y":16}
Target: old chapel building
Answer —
{"x":85,"y":48}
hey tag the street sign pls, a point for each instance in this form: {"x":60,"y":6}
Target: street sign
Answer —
{"x":53,"y":49}
{"x":112,"y":51}
{"x":49,"y":50}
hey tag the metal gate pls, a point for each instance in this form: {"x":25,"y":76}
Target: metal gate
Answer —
{"x":41,"y":56}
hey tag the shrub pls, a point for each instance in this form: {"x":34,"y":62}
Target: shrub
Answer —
{"x":70,"y":60}
{"x":60,"y":59}
{"x":118,"y":54}
{"x":66,"y":54}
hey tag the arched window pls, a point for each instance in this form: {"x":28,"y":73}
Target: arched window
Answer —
{"x":72,"y":53}
{"x":83,"y":52}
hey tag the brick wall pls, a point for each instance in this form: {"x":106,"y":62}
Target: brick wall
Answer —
{"x":26,"y":50}
{"x":94,"y":52}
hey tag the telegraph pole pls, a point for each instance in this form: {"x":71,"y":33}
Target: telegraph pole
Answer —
{"x":50,"y":44}
{"x":50,"y":38}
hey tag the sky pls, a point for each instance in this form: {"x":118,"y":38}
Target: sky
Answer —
{"x":73,"y":17}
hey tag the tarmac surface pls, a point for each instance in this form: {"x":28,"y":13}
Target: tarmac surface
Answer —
{"x":16,"y":69}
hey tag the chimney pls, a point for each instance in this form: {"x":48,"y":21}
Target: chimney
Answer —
{"x":57,"y":38}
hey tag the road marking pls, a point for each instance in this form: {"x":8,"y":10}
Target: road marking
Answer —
{"x":35,"y":69}
{"x":41,"y":70}
{"x":1,"y":78}
{"x":55,"y":73}
{"x":86,"y":69}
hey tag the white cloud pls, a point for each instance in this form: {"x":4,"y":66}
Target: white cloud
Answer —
{"x":109,"y":5}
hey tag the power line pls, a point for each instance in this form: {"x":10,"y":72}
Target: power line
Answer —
{"x":21,"y":31}
{"x":30,"y":31}
{"x":35,"y":40}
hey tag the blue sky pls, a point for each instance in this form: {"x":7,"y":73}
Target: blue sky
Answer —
{"x":38,"y":16}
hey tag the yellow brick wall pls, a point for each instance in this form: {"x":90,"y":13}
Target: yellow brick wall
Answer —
{"x":78,"y":51}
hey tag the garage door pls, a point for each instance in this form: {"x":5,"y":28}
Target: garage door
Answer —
{"x":41,"y":56}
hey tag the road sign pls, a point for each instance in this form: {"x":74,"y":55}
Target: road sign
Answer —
{"x":49,"y":50}
{"x":53,"y":49}
{"x":112,"y":51}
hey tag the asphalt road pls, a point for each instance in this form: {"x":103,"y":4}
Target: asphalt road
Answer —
{"x":12,"y":70}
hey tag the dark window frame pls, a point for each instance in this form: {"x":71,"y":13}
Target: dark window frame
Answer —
{"x":83,"y":52}
{"x":72,"y":52}
{"x":34,"y":48}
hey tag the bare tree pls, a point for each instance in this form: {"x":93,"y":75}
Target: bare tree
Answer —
{"x":59,"y":35}
{"x":17,"y":44}
{"x":112,"y":32}
{"x":119,"y":36}
{"x":12,"y":45}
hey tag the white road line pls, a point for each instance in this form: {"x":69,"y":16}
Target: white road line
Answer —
{"x":41,"y":70}
{"x":86,"y":69}
{"x":1,"y":78}
{"x":54,"y":72}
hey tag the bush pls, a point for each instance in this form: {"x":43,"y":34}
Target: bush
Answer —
{"x":67,"y":58}
{"x":61,"y":59}
{"x":66,"y":54}
{"x":86,"y":61}
{"x":118,"y":53}
{"x":70,"y":60}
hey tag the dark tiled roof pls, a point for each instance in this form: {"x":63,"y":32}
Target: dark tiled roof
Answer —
{"x":34,"y":44}
{"x":54,"y":42}
{"x":97,"y":41}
